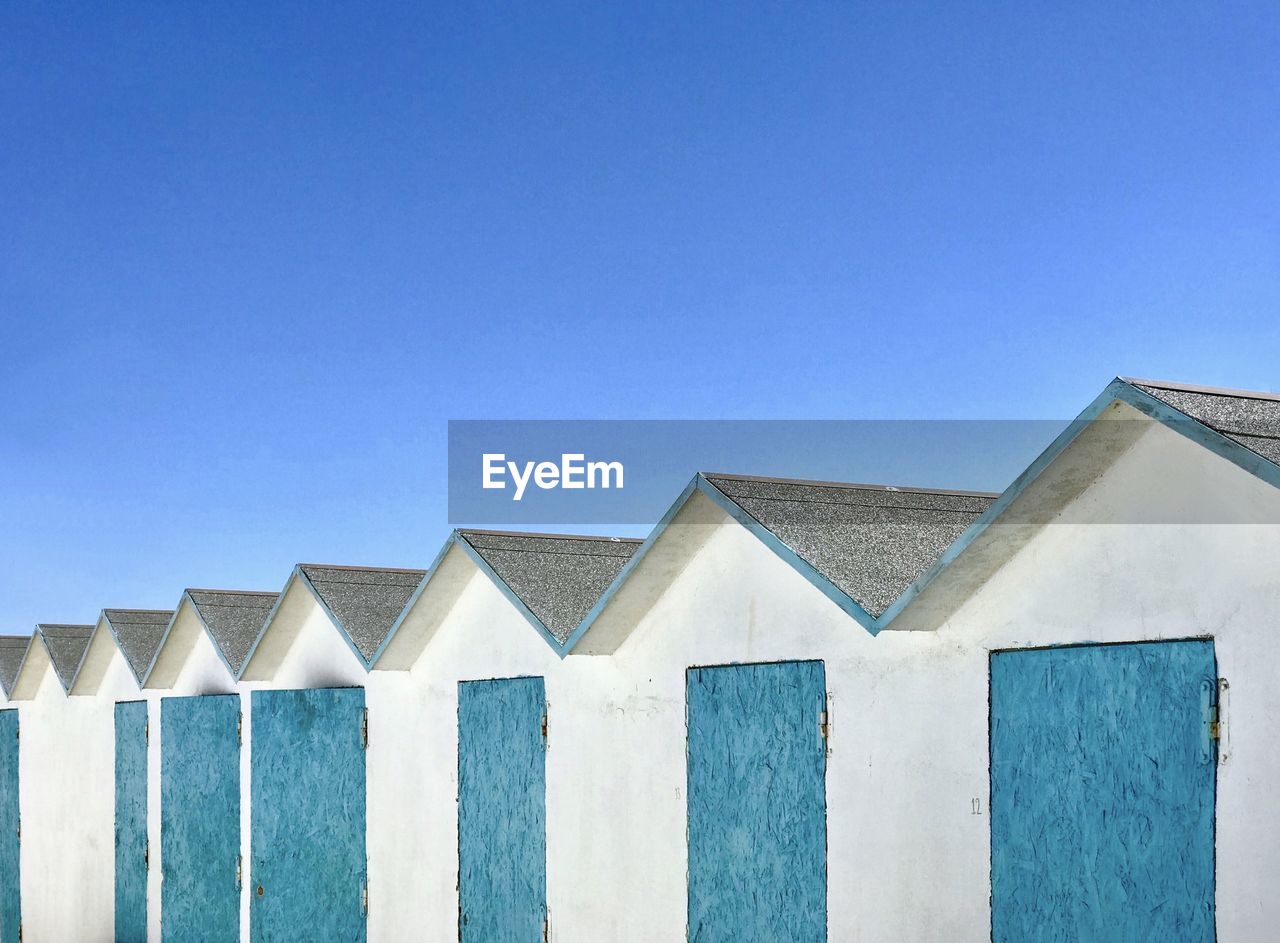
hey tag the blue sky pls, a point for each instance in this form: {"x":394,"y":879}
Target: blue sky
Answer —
{"x":253,"y":257}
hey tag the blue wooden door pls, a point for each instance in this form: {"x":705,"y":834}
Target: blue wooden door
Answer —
{"x":502,"y":841}
{"x":10,"y":873}
{"x":308,"y":816}
{"x":200,"y":819}
{"x":757,"y":803}
{"x":131,"y":822}
{"x":1102,"y":794}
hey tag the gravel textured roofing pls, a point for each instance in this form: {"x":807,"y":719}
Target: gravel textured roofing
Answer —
{"x":558,"y":578}
{"x":13,"y":648}
{"x":138,"y":633}
{"x":870,"y":541}
{"x":234,"y":618}
{"x":1251,"y":419}
{"x":67,"y":645}
{"x":366,"y":600}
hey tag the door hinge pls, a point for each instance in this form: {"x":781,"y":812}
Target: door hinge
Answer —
{"x":146,"y":853}
{"x":19,"y":933}
{"x":460,"y":923}
{"x":146,"y":731}
{"x":364,"y":727}
{"x":240,"y":727}
{"x":546,"y":928}
{"x":364,"y":900}
{"x":543,"y":728}
{"x":239,"y":872}
{"x":824,"y":725}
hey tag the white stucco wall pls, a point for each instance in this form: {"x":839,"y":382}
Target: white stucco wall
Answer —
{"x":908,"y":748}
{"x":907,"y":859}
{"x":65,"y":766}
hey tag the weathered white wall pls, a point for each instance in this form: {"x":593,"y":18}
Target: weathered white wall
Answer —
{"x":65,"y":764}
{"x":413,"y":772}
{"x":908,"y":748}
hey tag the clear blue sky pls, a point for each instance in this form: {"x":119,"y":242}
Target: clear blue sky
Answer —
{"x":253,"y":256}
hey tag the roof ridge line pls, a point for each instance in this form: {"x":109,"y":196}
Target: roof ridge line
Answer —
{"x":853,"y":504}
{"x":853,"y":485}
{"x":363,"y":569}
{"x":1206,"y":390}
{"x":232,"y":592}
{"x":602,"y":538}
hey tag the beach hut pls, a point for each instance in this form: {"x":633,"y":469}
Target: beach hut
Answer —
{"x":306,"y":771}
{"x":486,"y":830}
{"x":197,"y":822}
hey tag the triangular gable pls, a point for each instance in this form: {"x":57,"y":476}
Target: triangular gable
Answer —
{"x":552,"y":580}
{"x":135,"y":633}
{"x":13,"y":649}
{"x":362,"y":603}
{"x":860,"y":545}
{"x":1240,"y":426}
{"x":229,"y":618}
{"x":61,"y":647}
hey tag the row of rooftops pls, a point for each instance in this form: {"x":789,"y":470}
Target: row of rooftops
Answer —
{"x":869,"y":544}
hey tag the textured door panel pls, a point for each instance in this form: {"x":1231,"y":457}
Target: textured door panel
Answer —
{"x":199,"y":819}
{"x":502,"y":846}
{"x":1102,"y":794}
{"x":10,"y":875}
{"x":757,"y":804}
{"x":131,"y":822}
{"x":308,"y":816}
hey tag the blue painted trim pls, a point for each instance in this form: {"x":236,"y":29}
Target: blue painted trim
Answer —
{"x":413,"y":599}
{"x":342,"y":629}
{"x":625,"y":573}
{"x":771,"y":540}
{"x":66,"y":686}
{"x":1007,"y":497}
{"x":102,"y":617}
{"x":164,"y":638}
{"x":456,"y":539}
{"x":1117,"y":390}
{"x":22,"y":664}
{"x":218,"y":646}
{"x":700,"y":484}
{"x":507,"y":591}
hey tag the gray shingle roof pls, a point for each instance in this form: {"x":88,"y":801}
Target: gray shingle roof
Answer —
{"x":366,"y":600}
{"x":1250,"y":419}
{"x":234,"y":617}
{"x":870,"y":541}
{"x":13,"y":648}
{"x":138,"y":632}
{"x":67,"y":645}
{"x":558,"y":578}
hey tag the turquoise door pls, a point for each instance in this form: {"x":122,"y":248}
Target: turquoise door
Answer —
{"x":131,"y":822}
{"x":1102,"y":794}
{"x":502,"y":844}
{"x":757,"y":805}
{"x":200,"y":819}
{"x":10,"y":874}
{"x":308,"y":816}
